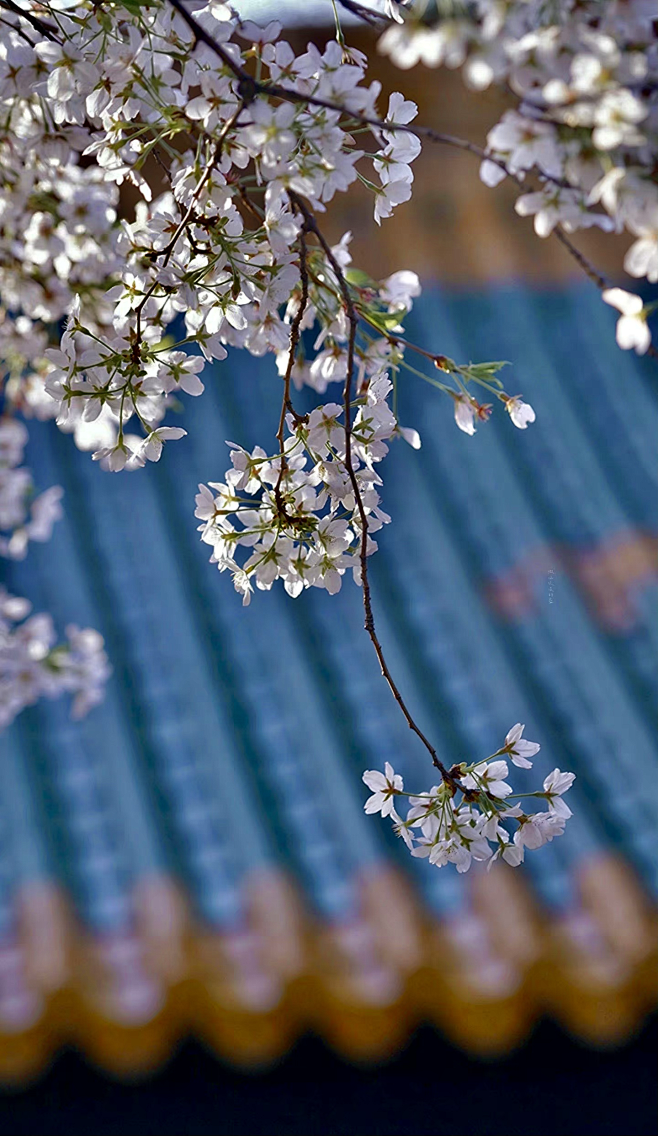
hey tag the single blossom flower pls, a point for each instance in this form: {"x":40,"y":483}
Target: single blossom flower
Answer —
{"x":520,"y":412}
{"x":540,"y":828}
{"x":151,"y":447}
{"x":632,"y":329}
{"x":519,"y":748}
{"x":384,"y":785}
{"x":465,"y":413}
{"x":489,"y":777}
{"x":555,"y":785}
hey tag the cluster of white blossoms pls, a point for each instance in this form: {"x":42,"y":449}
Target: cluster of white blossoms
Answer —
{"x":33,"y":664}
{"x":23,"y":516}
{"x":467,"y":816}
{"x":227,"y":137}
{"x":219,"y":243}
{"x":94,"y":97}
{"x":307,"y":528}
{"x":585,"y":75}
{"x":162,"y":167}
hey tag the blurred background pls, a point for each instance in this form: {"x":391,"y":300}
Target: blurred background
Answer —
{"x":193,"y":861}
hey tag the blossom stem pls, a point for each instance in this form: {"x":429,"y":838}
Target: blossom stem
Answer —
{"x":588,"y":268}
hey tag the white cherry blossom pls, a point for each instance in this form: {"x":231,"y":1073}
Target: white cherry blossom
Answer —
{"x":632,"y":330}
{"x":151,"y":447}
{"x":467,"y":817}
{"x":385,"y":787}
{"x":490,"y":777}
{"x":519,"y":748}
{"x":465,"y":413}
{"x":223,"y":252}
{"x":555,"y":785}
{"x":539,"y":829}
{"x":520,"y":412}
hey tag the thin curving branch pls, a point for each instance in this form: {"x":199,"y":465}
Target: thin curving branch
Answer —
{"x":449,"y":776}
{"x":41,"y":26}
{"x":286,"y":406}
{"x":363,"y":12}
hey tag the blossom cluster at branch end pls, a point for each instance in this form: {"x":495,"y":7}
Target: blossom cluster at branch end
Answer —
{"x":474,"y":814}
{"x":305,"y":527}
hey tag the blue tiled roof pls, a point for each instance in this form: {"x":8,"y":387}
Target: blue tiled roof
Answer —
{"x":224,"y":766}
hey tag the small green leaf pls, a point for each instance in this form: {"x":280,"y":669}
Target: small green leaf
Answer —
{"x":359,"y":279}
{"x":133,"y":6}
{"x":385,"y":322}
{"x":485,"y":370}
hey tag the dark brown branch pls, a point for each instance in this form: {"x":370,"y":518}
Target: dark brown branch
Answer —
{"x":588,"y":268}
{"x":295,"y":333}
{"x":39,"y":25}
{"x":592,"y":273}
{"x":18,"y":31}
{"x":249,"y":87}
{"x":368,"y":15}
{"x":450,"y":778}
